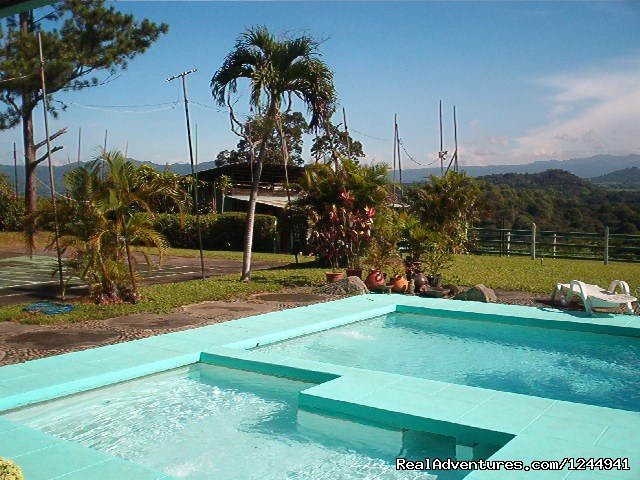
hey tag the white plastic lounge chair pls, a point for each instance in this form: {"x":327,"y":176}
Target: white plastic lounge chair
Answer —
{"x":594,"y":296}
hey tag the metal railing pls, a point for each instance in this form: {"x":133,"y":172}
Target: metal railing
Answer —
{"x":550,"y":244}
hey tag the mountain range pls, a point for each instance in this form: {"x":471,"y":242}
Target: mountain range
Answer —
{"x":611,"y":171}
{"x":589,"y":167}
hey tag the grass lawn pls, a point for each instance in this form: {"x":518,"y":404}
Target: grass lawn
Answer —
{"x":163,"y":298}
{"x":229,"y":255}
{"x":508,"y":273}
{"x":538,"y":276}
{"x":16,"y":239}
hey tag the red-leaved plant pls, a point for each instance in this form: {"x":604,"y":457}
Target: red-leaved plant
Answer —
{"x":342,"y":232}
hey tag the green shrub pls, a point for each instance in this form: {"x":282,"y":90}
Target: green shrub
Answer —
{"x":11,"y":207}
{"x":219,"y":231}
{"x":9,"y":470}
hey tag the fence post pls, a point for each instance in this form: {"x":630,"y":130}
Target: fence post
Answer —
{"x":509,"y":243}
{"x":555,"y":242}
{"x":533,"y":241}
{"x":606,"y":245}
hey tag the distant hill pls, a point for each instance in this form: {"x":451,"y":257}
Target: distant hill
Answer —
{"x":582,"y":167}
{"x":628,"y":178}
{"x":59,"y":171}
{"x":557,"y":200}
{"x":558,"y":180}
{"x":597,"y":166}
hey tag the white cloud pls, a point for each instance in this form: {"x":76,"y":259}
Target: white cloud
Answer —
{"x":590,"y":112}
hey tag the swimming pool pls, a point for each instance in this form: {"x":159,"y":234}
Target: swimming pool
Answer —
{"x":580,"y":367}
{"x":205,"y":422}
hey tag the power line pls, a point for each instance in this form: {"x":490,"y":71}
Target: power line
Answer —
{"x":413,"y":159}
{"x":371,"y":136}
{"x":109,"y":108}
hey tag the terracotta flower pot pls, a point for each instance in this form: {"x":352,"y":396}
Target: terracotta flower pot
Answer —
{"x":375,"y":279}
{"x":399,"y":284}
{"x":334,"y":276}
{"x":419,"y":281}
{"x":354,"y":272}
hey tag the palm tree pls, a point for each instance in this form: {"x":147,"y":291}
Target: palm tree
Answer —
{"x":107,"y":210}
{"x":277,"y":70}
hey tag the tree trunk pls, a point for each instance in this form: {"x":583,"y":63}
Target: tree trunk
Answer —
{"x":30,"y":195}
{"x":253,"y":200}
{"x":132,"y":274}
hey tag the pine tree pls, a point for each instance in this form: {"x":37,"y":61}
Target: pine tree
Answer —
{"x":81,"y":38}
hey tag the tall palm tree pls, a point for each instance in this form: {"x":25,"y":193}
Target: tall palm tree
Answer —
{"x":277,"y":70}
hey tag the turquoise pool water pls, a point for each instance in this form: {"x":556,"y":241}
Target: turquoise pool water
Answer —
{"x":581,"y":367}
{"x":206,"y":422}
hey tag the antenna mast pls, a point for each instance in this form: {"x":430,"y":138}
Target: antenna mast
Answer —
{"x":455,"y":139}
{"x":399,"y":158}
{"x":395,"y":141}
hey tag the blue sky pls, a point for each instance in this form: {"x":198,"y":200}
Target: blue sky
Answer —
{"x":531,"y":81}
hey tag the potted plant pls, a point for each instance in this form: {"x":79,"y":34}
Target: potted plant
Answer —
{"x":437,"y":258}
{"x":383,"y":252}
{"x":357,"y":228}
{"x":398,"y":282}
{"x":327,"y":240}
{"x":416,"y":238}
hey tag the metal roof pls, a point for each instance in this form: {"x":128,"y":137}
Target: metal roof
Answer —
{"x":279,"y":202}
{"x":11,"y":7}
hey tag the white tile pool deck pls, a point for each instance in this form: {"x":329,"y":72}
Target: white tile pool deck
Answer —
{"x":533,"y":428}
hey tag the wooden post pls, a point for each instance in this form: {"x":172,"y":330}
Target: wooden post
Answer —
{"x":15,"y":168}
{"x":606,"y":245}
{"x":555,"y":242}
{"x":508,"y":243}
{"x":533,"y":241}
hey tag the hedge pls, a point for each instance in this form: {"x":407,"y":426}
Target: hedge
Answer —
{"x":219,"y":231}
{"x":11,"y":213}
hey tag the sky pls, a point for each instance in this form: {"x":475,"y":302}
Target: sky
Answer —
{"x":530,"y":81}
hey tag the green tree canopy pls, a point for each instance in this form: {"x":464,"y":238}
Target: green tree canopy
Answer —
{"x":294,"y":126}
{"x":335,"y":142}
{"x":81,"y":39}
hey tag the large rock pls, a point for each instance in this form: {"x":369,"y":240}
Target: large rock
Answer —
{"x":346,"y":286}
{"x":479,"y":293}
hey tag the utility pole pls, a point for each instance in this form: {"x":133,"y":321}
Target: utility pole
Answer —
{"x":346,"y":130}
{"x":52,"y":186}
{"x":455,"y":139}
{"x":79,"y":143}
{"x":194,"y":173}
{"x":395,"y":150}
{"x":399,"y":158}
{"x":440,"y":153}
{"x":15,"y":168}
{"x":106,"y":135}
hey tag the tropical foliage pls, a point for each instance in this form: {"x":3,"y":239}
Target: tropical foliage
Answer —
{"x":11,"y":207}
{"x":277,"y":70}
{"x":341,"y":231}
{"x":107,"y":212}
{"x":368,"y":185}
{"x":448,"y":205}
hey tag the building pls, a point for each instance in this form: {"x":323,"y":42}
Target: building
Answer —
{"x":273,"y":197}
